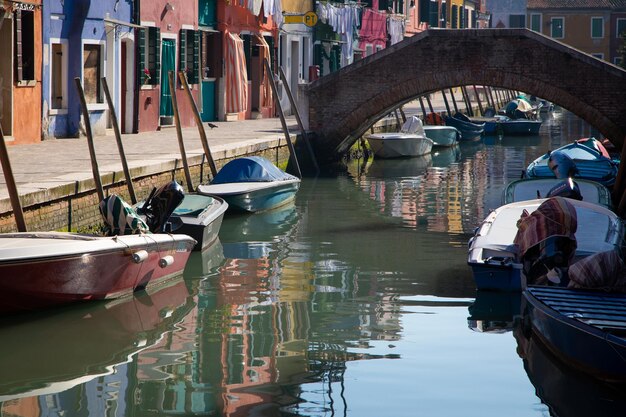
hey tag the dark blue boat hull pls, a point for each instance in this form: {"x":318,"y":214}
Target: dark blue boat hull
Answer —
{"x":585,"y":329}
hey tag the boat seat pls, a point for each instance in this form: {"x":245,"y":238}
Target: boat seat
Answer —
{"x":194,"y":204}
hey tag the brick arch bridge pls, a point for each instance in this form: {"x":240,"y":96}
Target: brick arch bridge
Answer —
{"x":343,"y":105}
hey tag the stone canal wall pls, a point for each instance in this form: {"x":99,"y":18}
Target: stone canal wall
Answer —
{"x":74,"y":206}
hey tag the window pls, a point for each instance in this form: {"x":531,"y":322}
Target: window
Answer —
{"x":190,"y":54}
{"x":620,"y":27}
{"x":535,"y":22}
{"x":24,"y":37}
{"x":618,"y":61}
{"x":58,"y":77}
{"x":599,"y":55}
{"x":517,"y":21}
{"x":597,"y":27}
{"x":557,"y":27}
{"x":369,"y":49}
{"x":150,"y":55}
{"x":92,"y":73}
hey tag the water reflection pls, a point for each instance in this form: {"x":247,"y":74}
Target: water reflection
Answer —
{"x":565,"y":391}
{"x":82,"y":353}
{"x":352,"y":301}
{"x":494,"y":311}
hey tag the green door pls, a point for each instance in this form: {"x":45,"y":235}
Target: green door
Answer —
{"x":208,"y":101}
{"x":168,"y":63}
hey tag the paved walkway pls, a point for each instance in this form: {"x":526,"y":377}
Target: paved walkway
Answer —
{"x":50,"y":164}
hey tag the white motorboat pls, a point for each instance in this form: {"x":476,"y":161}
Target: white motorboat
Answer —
{"x":411,"y":140}
{"x":493,"y":255}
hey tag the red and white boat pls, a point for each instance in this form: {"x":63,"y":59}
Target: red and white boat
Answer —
{"x":44,"y":269}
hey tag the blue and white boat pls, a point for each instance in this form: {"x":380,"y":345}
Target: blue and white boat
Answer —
{"x":442,"y":136}
{"x":591,"y":164}
{"x":252,"y":184}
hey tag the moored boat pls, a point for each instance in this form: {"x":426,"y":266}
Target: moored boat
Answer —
{"x":584,"y":328}
{"x":442,"y":136}
{"x":252,"y":184}
{"x":512,"y":127}
{"x":590,"y":163}
{"x":495,"y":258}
{"x":468,"y":129}
{"x":45,"y":269}
{"x":196,"y":215}
{"x":533,"y":188}
{"x":411,"y":140}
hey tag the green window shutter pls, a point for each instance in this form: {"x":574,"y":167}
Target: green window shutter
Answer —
{"x":424,"y":10}
{"x":182,"y":51}
{"x":19,"y":61}
{"x":156,"y":36}
{"x":196,"y":58}
{"x":143,"y":64}
{"x":454,"y":18}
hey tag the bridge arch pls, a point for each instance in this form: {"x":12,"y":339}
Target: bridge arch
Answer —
{"x":343,"y":105}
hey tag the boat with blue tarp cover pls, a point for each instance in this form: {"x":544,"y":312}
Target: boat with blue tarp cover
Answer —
{"x":252,"y":184}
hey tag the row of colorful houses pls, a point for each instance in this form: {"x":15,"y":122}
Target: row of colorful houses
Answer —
{"x":221,"y":46}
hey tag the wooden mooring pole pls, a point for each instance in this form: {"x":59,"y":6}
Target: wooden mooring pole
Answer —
{"x":179,"y":132}
{"x":198,"y":119}
{"x":456,"y":108}
{"x":292,"y":150}
{"x":445,"y":100}
{"x":118,"y":139}
{"x":92,"y":150}
{"x":12,"y":188}
{"x":296,"y":113}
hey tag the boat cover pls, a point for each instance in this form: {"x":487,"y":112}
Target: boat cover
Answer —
{"x":554,"y":217}
{"x":414,"y":126}
{"x":596,"y":145}
{"x":120,"y":218}
{"x":250,"y":169}
{"x":603,"y":270}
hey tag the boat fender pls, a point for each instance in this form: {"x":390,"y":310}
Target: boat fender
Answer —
{"x":140,"y":256}
{"x":166,"y":261}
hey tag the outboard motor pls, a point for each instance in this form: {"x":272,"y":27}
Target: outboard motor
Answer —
{"x":568,"y":188}
{"x":562,"y":165}
{"x":160,"y":205}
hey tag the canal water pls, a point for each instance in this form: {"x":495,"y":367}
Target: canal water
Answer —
{"x":354,"y":301}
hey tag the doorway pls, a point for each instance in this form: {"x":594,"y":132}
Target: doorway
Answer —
{"x":168,"y":63}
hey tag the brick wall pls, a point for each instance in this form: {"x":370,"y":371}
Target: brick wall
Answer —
{"x":79,"y":211}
